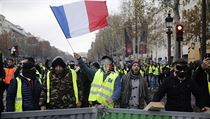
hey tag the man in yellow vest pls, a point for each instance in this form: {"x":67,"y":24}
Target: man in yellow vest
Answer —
{"x":24,"y":90}
{"x":105,"y":86}
{"x":60,"y":88}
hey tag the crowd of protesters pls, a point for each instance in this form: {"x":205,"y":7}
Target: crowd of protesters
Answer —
{"x":58,"y":85}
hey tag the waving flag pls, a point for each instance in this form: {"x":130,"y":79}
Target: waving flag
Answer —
{"x":81,"y":17}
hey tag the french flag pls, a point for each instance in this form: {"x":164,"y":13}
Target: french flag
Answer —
{"x":81,"y":17}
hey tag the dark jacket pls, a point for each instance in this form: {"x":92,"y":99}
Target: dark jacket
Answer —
{"x":2,"y":87}
{"x":30,"y":96}
{"x":178,"y":94}
{"x":86,"y":83}
{"x":200,"y":77}
{"x":126,"y":88}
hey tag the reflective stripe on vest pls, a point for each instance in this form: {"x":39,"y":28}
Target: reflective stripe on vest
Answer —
{"x":48,"y":87}
{"x":9,"y":74}
{"x":43,"y":67}
{"x":39,"y":77}
{"x":102,"y":90}
{"x":18,"y":99}
{"x":74,"y":80}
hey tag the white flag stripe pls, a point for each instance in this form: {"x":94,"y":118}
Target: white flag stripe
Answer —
{"x":77,"y":18}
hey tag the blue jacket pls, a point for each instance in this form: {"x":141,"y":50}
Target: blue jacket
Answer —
{"x":91,"y":73}
{"x":30,"y":97}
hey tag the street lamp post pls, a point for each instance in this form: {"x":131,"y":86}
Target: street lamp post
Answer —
{"x":169,"y":21}
{"x":169,"y":32}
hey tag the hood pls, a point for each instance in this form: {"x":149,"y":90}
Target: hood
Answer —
{"x":58,"y":61}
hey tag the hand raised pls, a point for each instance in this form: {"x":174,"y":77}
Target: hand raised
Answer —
{"x":77,"y":56}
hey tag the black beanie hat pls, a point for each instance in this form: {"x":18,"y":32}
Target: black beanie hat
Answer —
{"x":58,"y":61}
{"x":135,"y":62}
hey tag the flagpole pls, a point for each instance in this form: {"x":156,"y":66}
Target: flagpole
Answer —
{"x":70,"y":45}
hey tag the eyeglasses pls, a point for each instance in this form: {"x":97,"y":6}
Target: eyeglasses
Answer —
{"x":181,"y":67}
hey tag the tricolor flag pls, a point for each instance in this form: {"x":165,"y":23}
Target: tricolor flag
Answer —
{"x":81,"y":17}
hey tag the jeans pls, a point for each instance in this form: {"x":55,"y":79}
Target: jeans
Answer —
{"x":151,"y":81}
{"x":155,"y":83}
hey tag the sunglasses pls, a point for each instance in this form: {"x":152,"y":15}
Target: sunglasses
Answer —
{"x":181,"y":67}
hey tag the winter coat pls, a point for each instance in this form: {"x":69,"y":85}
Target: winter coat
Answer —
{"x":178,"y":94}
{"x":200,"y":77}
{"x":2,"y":88}
{"x":61,"y":91}
{"x":30,"y":96}
{"x":126,"y":88}
{"x":86,"y":84}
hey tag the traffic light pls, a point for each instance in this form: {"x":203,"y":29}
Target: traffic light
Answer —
{"x":179,"y":32}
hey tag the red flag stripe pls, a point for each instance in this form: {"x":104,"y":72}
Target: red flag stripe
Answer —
{"x":97,"y":14}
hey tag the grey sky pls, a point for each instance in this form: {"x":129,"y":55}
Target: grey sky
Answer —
{"x":35,"y":16}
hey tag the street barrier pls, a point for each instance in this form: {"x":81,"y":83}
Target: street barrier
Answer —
{"x":141,"y":114}
{"x":76,"y":113}
{"x":102,"y":113}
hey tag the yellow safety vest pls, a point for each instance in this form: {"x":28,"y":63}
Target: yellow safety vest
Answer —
{"x":208,"y":80}
{"x":102,"y":90}
{"x":125,"y":71}
{"x":39,"y":76}
{"x":115,"y":69}
{"x":170,"y":67}
{"x":74,"y":80}
{"x":43,"y":67}
{"x":142,"y":72}
{"x":18,"y":99}
{"x":151,"y":69}
{"x":161,"y":68}
{"x":156,"y":72}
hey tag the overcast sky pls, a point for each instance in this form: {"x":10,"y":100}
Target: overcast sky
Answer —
{"x":36,"y":17}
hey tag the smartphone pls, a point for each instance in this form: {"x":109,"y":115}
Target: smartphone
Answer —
{"x":207,"y":56}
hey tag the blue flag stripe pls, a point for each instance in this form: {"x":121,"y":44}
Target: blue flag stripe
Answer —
{"x":60,"y":15}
